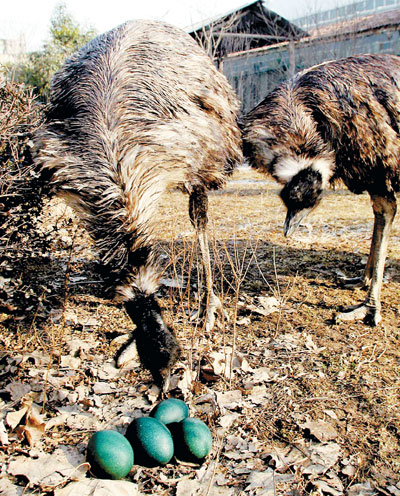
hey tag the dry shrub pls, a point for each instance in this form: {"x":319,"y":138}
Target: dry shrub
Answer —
{"x":20,"y":192}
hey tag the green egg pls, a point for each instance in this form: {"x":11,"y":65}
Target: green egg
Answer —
{"x":110,"y":455}
{"x":192,"y":439}
{"x":151,"y":441}
{"x":170,"y":410}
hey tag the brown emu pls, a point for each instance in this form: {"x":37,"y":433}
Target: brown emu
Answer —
{"x":336,"y":121}
{"x":137,"y":110}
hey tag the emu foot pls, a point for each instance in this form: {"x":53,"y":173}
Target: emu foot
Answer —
{"x":208,"y":310}
{"x":369,"y":314}
{"x":352,"y":282}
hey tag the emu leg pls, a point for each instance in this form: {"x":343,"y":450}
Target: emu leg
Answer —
{"x":198,"y":207}
{"x":365,"y":280}
{"x":384,"y":212}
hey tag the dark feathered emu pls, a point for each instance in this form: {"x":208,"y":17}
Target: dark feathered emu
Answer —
{"x":137,"y":110}
{"x":336,"y":121}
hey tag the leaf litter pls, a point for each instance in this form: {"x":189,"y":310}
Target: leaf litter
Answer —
{"x":295,"y":404}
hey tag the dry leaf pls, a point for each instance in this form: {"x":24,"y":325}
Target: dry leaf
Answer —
{"x":314,"y":469}
{"x":264,"y":374}
{"x":70,"y":362}
{"x":3,"y":434}
{"x":363,"y":489}
{"x":266,"y":306}
{"x":153,"y":394}
{"x":321,"y":430}
{"x":264,"y":480}
{"x":230,"y":399}
{"x":394,"y":490}
{"x":70,"y":316}
{"x":285,"y":342}
{"x":37,"y":357}
{"x":286,"y":457}
{"x":186,"y":381}
{"x":103,"y":388}
{"x":325,"y":454}
{"x":107,"y":371}
{"x":8,"y":489}
{"x":258,"y":395}
{"x":227,"y":420}
{"x":223,"y":364}
{"x":177,"y":282}
{"x":79,"y":347}
{"x":244,"y":321}
{"x":14,"y":418}
{"x":34,"y":426}
{"x":57,"y":421}
{"x":186,"y":487}
{"x":326,"y":488}
{"x":92,"y":487}
{"x":50,"y":470}
{"x":83,"y":422}
{"x":310,"y":345}
{"x":331,"y":414}
{"x":220,"y":491}
{"x":17,"y":390}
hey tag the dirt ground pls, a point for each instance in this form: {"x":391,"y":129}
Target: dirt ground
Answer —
{"x":296,"y":403}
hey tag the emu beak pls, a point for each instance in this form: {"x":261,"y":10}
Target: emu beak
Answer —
{"x":293,"y":220}
{"x":166,"y":375}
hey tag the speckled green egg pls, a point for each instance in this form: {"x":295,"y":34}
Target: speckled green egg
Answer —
{"x":170,"y":410}
{"x":151,"y":441}
{"x":110,"y":455}
{"x":192,"y":439}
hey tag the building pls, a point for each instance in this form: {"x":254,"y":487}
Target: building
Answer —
{"x":346,"y":12}
{"x":246,"y":28}
{"x":253,"y":73}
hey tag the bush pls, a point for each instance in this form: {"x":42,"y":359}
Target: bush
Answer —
{"x":20,"y":186}
{"x":66,"y":37}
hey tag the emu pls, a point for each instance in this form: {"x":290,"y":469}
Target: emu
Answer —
{"x":336,"y":121}
{"x":137,"y":110}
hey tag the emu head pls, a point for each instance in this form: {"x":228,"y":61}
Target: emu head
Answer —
{"x":156,"y":344}
{"x":285,"y":143}
{"x":301,"y":195}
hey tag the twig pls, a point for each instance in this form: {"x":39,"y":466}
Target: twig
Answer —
{"x":66,"y":291}
{"x":219,"y":450}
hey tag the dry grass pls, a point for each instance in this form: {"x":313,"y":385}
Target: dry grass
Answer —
{"x":346,"y":374}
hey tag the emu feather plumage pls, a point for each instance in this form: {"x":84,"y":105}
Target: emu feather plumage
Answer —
{"x":136,"y":111}
{"x":339,"y":120}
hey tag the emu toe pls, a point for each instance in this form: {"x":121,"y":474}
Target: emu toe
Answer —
{"x":352,"y":282}
{"x":369,"y":314}
{"x":208,"y":309}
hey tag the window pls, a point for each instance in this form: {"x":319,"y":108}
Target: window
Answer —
{"x":369,"y":4}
